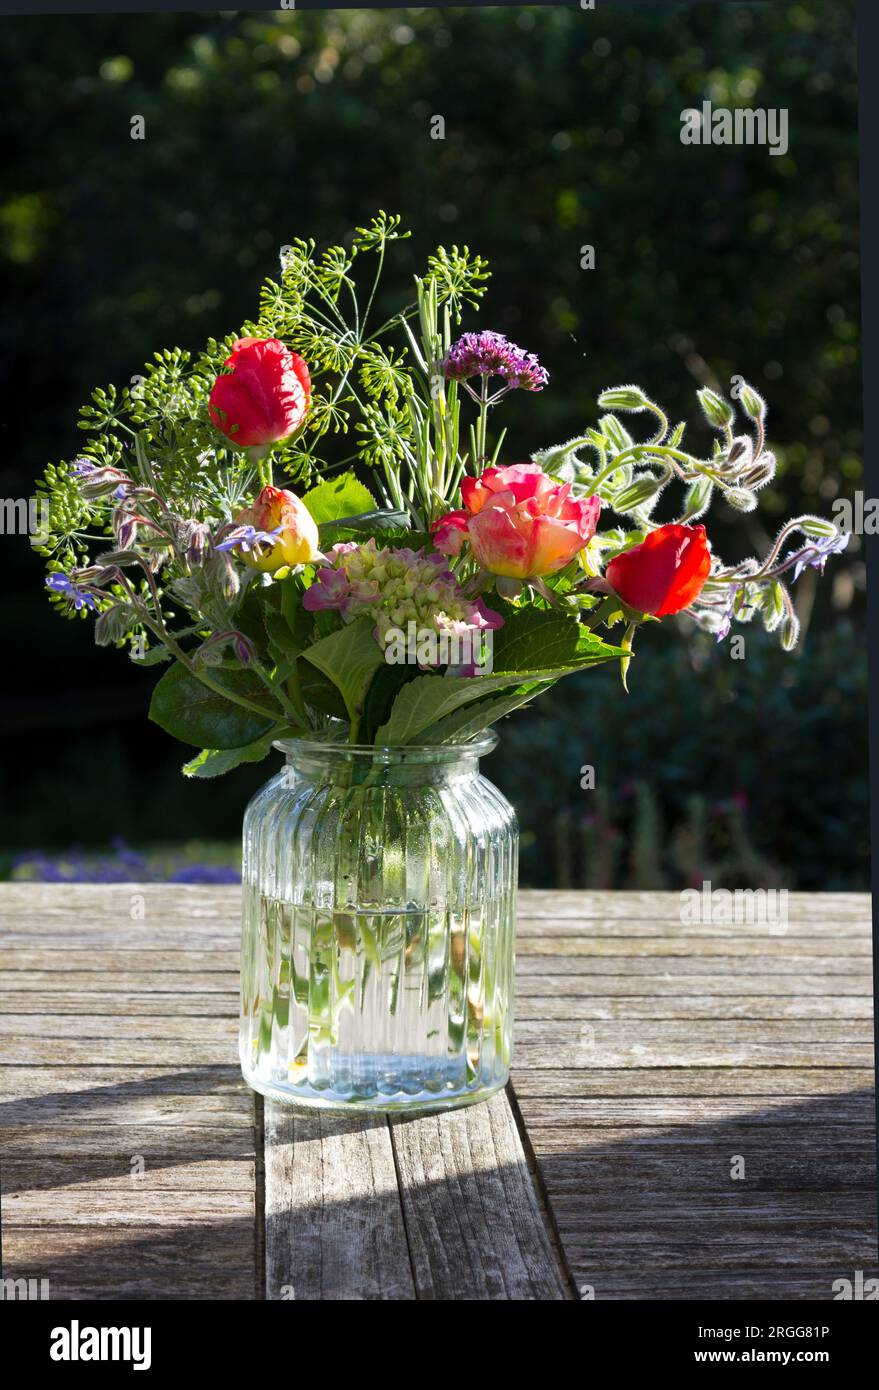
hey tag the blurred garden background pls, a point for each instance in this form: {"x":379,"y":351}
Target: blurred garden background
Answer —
{"x":561,"y":131}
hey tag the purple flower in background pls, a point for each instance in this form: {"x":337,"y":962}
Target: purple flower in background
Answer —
{"x":246,"y":537}
{"x":123,"y":864}
{"x":815,"y":554}
{"x":491,"y":354}
{"x":63,"y":584}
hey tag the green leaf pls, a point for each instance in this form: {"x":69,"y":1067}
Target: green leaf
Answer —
{"x":192,"y":712}
{"x":383,"y":690}
{"x":350,"y":659}
{"x":428,"y":699}
{"x":338,"y":498}
{"x":531,"y":640}
{"x":213,"y":762}
{"x":534,"y":640}
{"x":320,"y":693}
{"x":472,"y":719}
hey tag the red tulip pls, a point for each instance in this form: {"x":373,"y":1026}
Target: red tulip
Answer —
{"x":663,"y":574}
{"x":265,"y":396}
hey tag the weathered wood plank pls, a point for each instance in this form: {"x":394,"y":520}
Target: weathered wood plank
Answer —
{"x":784,"y":1284}
{"x":99,"y":1088}
{"x":51,"y":982}
{"x":584,"y":1083}
{"x":148,"y":1028}
{"x":783,"y":965}
{"x":757,"y":1008}
{"x":123,"y":1004}
{"x":850,"y":951}
{"x":86,"y":959}
{"x":441,"y":1207}
{"x":534,"y":1056}
{"x":588,"y":1210}
{"x":679,"y":978}
{"x":474,"y":1224}
{"x":122,"y":1093}
{"x":162,"y":1172}
{"x":137,"y":1208}
{"x":855,"y":1108}
{"x":798,"y":927}
{"x":196,"y":905}
{"x":119,"y":1143}
{"x":581,"y":906}
{"x":697,"y":1032}
{"x":334,"y":1223}
{"x":214,"y":1260}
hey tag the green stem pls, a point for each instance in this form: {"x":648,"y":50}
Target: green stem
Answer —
{"x":201,"y":675}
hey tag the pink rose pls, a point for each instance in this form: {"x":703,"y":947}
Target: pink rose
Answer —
{"x":519,"y":521}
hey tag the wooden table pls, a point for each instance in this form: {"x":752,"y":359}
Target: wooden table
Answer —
{"x":691,"y":1116}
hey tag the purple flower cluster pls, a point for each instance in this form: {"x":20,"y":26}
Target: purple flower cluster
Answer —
{"x":491,"y":354}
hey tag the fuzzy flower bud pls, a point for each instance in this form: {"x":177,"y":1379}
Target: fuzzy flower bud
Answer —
{"x":817,"y":526}
{"x":773,"y":606}
{"x":623,"y":398}
{"x":638,"y":493}
{"x":741,"y":499}
{"x":752,"y":403}
{"x":716,"y":410}
{"x":697,"y":499}
{"x":760,"y":473}
{"x":790,"y":630}
{"x":99,"y":482}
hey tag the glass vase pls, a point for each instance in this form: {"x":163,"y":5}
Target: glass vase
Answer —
{"x":378,"y":928}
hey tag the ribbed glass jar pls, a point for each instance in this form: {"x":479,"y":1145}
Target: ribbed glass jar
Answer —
{"x":378,"y":924}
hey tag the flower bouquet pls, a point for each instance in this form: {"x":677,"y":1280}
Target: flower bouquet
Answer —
{"x":314,"y":526}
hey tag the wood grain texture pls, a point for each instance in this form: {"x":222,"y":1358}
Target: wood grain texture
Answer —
{"x":692,"y":1115}
{"x":699,"y":1099}
{"x":476,"y":1230}
{"x":128,"y":1143}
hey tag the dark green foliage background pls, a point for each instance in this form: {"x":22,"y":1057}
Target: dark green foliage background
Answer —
{"x":562,"y":130}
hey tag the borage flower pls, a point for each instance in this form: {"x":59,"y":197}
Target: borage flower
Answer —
{"x":278,"y":529}
{"x":64,"y":585}
{"x":246,"y":538}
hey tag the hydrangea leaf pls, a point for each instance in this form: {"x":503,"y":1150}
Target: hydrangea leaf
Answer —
{"x":350,"y":659}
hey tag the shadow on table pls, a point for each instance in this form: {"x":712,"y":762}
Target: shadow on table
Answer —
{"x":639,"y":1215}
